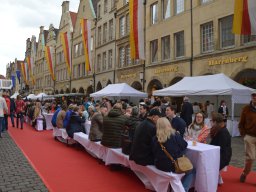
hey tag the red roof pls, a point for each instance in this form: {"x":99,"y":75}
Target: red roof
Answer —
{"x":73,"y":16}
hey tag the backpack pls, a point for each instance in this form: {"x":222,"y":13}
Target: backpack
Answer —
{"x":54,"y":117}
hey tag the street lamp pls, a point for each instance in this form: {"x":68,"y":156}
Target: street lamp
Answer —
{"x":91,"y":82}
{"x":142,"y":80}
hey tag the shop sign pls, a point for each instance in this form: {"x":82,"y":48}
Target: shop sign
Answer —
{"x":227,"y":60}
{"x":128,"y":76}
{"x":167,"y":69}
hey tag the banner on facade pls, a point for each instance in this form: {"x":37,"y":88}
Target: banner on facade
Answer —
{"x":244,"y":22}
{"x":136,"y":13}
{"x":66,"y":43}
{"x":49,"y":59}
{"x":24,"y":72}
{"x":18,"y":75}
{"x":86,"y":33}
{"x":30,"y":72}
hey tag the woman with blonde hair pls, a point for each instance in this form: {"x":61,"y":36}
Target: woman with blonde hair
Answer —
{"x":174,"y":144}
{"x":198,"y":130}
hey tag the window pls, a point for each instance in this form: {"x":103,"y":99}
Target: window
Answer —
{"x":122,"y":26}
{"x":99,"y":36}
{"x":83,"y":8}
{"x":104,"y":66}
{"x":166,"y":9}
{"x":76,"y":51}
{"x":98,"y":62}
{"x":113,"y":4}
{"x":105,"y":6}
{"x":247,"y":39}
{"x":110,"y":59}
{"x":153,"y":50}
{"x":207,"y":39}
{"x":179,"y":44}
{"x":205,"y":1}
{"x":165,"y":48}
{"x":91,"y":43}
{"x":179,"y":6}
{"x":111,"y":29}
{"x":121,"y":56}
{"x":105,"y":32}
{"x":125,"y":1}
{"x":127,"y":24}
{"x":128,"y":55}
{"x":227,"y":38}
{"x":153,"y":10}
{"x":99,"y":9}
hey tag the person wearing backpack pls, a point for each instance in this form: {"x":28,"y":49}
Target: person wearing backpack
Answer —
{"x":54,"y":117}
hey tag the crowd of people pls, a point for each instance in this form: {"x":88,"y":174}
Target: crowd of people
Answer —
{"x":139,"y":129}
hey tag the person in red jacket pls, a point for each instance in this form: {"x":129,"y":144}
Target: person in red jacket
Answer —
{"x":20,"y":107}
{"x":6,"y":114}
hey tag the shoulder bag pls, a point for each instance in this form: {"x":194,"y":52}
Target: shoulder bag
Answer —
{"x":181,"y":164}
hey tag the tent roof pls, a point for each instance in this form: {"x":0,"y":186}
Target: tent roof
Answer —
{"x":118,"y":90}
{"x":218,"y":84}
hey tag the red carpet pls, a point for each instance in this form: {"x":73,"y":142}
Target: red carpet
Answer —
{"x":64,"y":168}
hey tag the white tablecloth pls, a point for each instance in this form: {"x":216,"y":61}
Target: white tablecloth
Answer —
{"x":87,"y":126}
{"x":206,"y":160}
{"x":115,"y":156}
{"x":48,"y":119}
{"x":94,"y":148}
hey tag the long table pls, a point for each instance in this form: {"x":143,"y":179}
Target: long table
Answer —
{"x":48,"y":119}
{"x":206,"y":160}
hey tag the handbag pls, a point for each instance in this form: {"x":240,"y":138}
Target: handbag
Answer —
{"x":181,"y":164}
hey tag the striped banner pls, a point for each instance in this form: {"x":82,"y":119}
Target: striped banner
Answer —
{"x":86,"y":34}
{"x":30,"y":71}
{"x":23,"y":71}
{"x":244,"y":21}
{"x":66,"y":43}
{"x":49,"y":57}
{"x":136,"y":13}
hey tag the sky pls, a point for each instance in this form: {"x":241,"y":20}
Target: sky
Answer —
{"x":20,"y":19}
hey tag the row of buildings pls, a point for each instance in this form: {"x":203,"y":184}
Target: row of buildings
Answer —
{"x":182,"y":38}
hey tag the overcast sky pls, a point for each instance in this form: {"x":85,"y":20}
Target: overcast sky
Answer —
{"x":20,"y":19}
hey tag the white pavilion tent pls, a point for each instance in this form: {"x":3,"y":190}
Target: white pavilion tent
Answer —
{"x":120,"y":90}
{"x":209,"y":85}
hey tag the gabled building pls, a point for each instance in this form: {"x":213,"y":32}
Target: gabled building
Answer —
{"x":40,"y":62}
{"x":82,"y":81}
{"x":127,"y":70}
{"x":105,"y":44}
{"x":49,"y":83}
{"x":67,"y":23}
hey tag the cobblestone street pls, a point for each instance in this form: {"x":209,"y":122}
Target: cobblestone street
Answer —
{"x":16,"y":174}
{"x":238,"y":153}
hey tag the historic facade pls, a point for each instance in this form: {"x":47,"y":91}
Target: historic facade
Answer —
{"x":182,"y":38}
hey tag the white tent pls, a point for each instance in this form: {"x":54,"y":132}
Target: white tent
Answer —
{"x":118,"y":90}
{"x":14,"y":96}
{"x":31,"y":96}
{"x":41,"y":95}
{"x":218,"y":84}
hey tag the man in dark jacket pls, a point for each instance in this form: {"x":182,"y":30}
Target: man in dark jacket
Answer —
{"x":177,"y":123}
{"x":141,"y":151}
{"x":113,"y":126}
{"x":187,"y":111}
